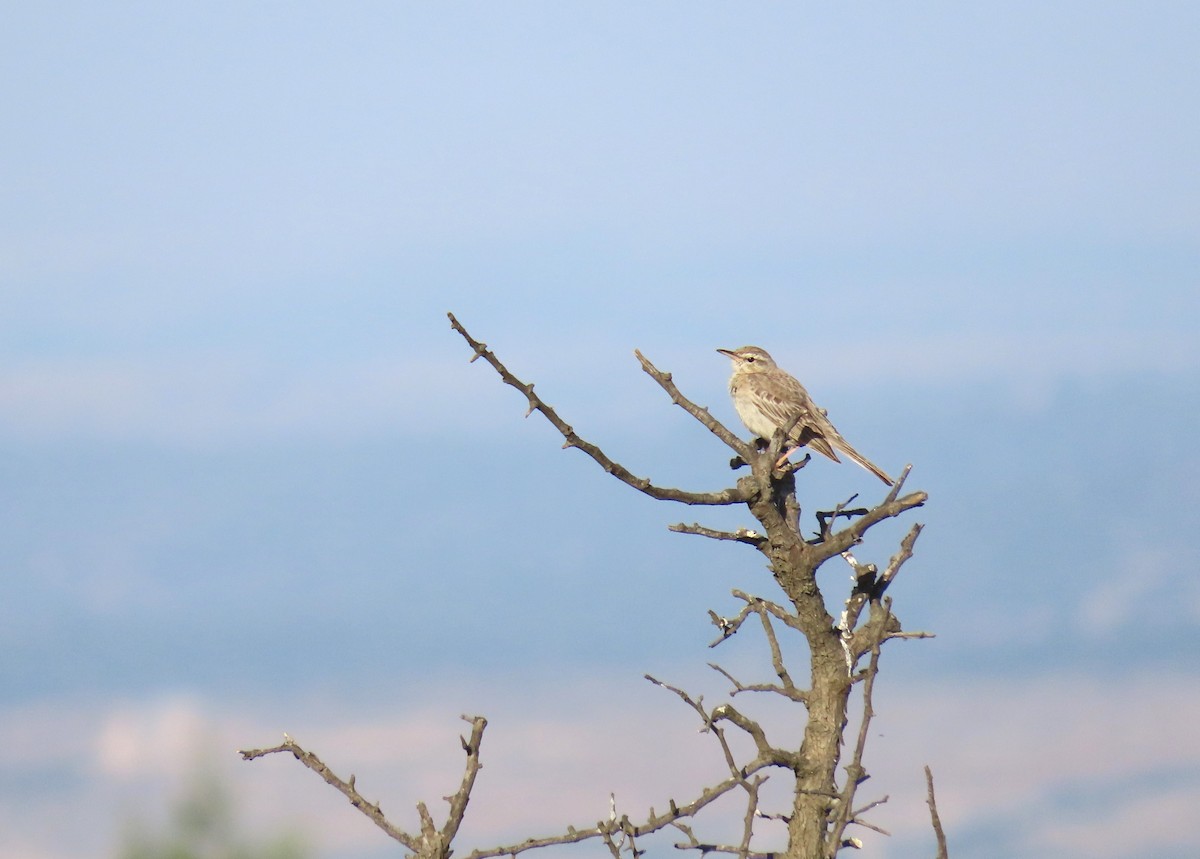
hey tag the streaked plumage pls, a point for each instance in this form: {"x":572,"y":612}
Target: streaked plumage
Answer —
{"x":767,"y":398}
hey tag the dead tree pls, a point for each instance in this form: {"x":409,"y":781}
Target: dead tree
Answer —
{"x":844,"y":653}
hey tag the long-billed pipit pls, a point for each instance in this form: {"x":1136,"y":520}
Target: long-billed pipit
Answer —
{"x":768,"y":398}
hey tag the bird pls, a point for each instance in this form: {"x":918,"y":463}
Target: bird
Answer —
{"x":768,"y":398}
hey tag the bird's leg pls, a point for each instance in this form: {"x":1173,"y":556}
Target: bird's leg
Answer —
{"x":796,"y":465}
{"x":783,"y":436}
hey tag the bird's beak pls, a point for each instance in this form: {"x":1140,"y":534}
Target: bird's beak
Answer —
{"x":728,"y":353}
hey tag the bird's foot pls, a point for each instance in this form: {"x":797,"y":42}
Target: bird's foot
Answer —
{"x":794,"y":466}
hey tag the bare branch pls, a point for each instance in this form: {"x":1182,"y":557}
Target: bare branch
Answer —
{"x":653,"y":823}
{"x":754,"y":605}
{"x":729,"y":713}
{"x":705,"y":848}
{"x":728,"y":625}
{"x":776,"y":654}
{"x":613,"y":847}
{"x":692,"y":843}
{"x":733,"y":495}
{"x":431,"y":842}
{"x":751,"y":810}
{"x":789,"y":692}
{"x":826,"y":519}
{"x":707,"y":718}
{"x":931,"y":801}
{"x":853,"y":534}
{"x":698,"y":412}
{"x":855,"y":774}
{"x":910,"y":635}
{"x":458,"y":802}
{"x":898,"y":559}
{"x":865,"y":578}
{"x":741,"y":535}
{"x":764,"y":609}
{"x":870,"y":805}
{"x":857,"y":822}
{"x":370,"y":809}
{"x":895,"y":492}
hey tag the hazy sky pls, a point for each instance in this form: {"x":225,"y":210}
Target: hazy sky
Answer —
{"x":253,"y":484}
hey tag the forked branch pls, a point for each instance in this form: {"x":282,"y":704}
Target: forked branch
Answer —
{"x":733,"y":495}
{"x":698,"y":412}
{"x":615,"y":826}
{"x":431,"y":843}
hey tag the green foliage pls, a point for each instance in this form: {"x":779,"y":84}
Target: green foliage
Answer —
{"x":203,"y":825}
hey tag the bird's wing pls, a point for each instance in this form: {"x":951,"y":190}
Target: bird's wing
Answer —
{"x":811,"y":437}
{"x":787,"y":401}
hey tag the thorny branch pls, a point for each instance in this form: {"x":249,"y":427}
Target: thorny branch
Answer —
{"x":431,"y":842}
{"x":733,"y":495}
{"x":698,"y":412}
{"x":436,"y":844}
{"x":654,"y":821}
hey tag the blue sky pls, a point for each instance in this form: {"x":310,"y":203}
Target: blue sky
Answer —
{"x":254,"y":486}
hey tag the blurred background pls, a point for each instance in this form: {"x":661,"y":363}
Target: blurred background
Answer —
{"x":252,"y":485}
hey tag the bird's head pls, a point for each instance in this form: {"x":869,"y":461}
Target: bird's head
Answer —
{"x":749,"y":359}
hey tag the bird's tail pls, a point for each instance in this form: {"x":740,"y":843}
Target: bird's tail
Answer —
{"x":845,"y":448}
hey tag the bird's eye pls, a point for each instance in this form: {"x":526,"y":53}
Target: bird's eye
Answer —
{"x":749,"y":359}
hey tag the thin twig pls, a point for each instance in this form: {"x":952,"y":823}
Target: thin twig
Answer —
{"x":865,"y":825}
{"x":708,"y":719}
{"x":741,"y":535}
{"x":852,"y":534}
{"x":431,"y":842}
{"x":789,"y":692}
{"x":653,"y":823}
{"x":931,"y":801}
{"x":751,"y":788}
{"x":826,"y":519}
{"x":729,"y":626}
{"x":733,"y":495}
{"x":776,"y":653}
{"x":347,"y":788}
{"x":700,"y":413}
